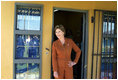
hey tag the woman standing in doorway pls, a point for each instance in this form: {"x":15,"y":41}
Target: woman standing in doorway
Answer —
{"x":61,"y":55}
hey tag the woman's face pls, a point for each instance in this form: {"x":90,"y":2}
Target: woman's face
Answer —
{"x":59,"y":33}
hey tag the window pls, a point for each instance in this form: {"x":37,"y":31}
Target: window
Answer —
{"x":109,"y":46}
{"x":27,"y":41}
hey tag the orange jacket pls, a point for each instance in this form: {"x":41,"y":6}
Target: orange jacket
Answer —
{"x":61,"y":54}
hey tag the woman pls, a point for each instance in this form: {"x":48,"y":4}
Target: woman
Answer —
{"x":61,"y":55}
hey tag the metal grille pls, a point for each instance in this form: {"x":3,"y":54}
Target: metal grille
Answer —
{"x":104,"y":52}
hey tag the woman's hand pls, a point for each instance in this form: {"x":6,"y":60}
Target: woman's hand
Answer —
{"x":71,"y":63}
{"x":56,"y":74}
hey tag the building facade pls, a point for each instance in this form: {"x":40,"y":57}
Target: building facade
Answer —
{"x":27,"y":33}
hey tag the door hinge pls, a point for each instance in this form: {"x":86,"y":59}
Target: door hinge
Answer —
{"x":92,"y":19}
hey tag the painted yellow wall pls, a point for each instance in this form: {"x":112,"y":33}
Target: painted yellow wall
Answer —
{"x":98,"y":33}
{"x":7,"y":24}
{"x":7,"y":20}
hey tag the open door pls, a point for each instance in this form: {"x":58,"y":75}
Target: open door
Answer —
{"x":75,"y":23}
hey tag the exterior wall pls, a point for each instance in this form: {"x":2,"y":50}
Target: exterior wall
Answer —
{"x":7,"y":31}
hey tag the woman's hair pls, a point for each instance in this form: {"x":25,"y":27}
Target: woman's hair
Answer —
{"x":61,"y":27}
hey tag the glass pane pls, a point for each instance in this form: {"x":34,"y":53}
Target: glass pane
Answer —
{"x":27,"y":46}
{"x":103,"y":45}
{"x":112,"y":45}
{"x":109,"y":25}
{"x":106,"y":47}
{"x":113,"y":28}
{"x":104,"y":68}
{"x":27,"y":71}
{"x":104,"y":27}
{"x":108,"y":68}
{"x":28,"y":18}
{"x":110,"y":71}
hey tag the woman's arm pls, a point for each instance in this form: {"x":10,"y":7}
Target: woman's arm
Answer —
{"x":77,"y":50}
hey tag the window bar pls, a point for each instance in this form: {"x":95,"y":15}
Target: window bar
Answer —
{"x":113,"y":33}
{"x":115,"y":63}
{"x":105,"y":63}
{"x":102,"y":40}
{"x":108,"y":16}
{"x":93,"y":45}
{"x":98,"y":42}
{"x":29,"y":17}
{"x":24,"y":21}
{"x":27,"y":69}
{"x":115,"y":26}
{"x":110,"y":43}
{"x":102,"y":54}
{"x":105,"y":50}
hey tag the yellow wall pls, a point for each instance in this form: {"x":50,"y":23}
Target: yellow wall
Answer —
{"x":98,"y":30}
{"x":7,"y":20}
{"x":7,"y":24}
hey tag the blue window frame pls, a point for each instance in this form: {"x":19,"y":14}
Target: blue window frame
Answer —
{"x":27,"y":41}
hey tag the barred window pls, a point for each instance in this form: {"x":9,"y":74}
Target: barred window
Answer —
{"x":109,"y":46}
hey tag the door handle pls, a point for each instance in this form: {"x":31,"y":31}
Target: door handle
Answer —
{"x":47,"y":49}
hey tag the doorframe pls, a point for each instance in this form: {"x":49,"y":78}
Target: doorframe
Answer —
{"x":84,"y":39}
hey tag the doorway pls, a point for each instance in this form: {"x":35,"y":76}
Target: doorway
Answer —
{"x":75,"y":25}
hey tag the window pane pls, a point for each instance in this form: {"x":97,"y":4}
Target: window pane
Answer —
{"x":27,"y":71}
{"x":112,"y":45}
{"x":112,"y":28}
{"x":106,"y":47}
{"x":28,"y":18}
{"x":104,"y":27}
{"x":108,"y":68}
{"x":27,"y":46}
{"x":103,"y":45}
{"x":104,"y":68}
{"x":109,"y":25}
{"x":104,"y":73}
{"x":115,"y":24}
{"x":109,"y":21}
{"x":116,"y":28}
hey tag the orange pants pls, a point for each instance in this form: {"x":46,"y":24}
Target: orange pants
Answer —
{"x":65,"y":73}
